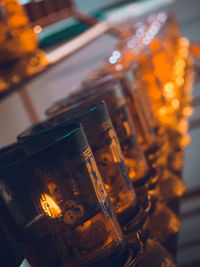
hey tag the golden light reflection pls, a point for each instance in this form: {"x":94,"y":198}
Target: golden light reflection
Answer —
{"x":3,"y":84}
{"x":169,"y":87}
{"x":37,"y":29}
{"x":183,"y":126}
{"x":175,"y":103}
{"x":187,"y":111}
{"x":180,"y":63}
{"x":169,"y":90}
{"x":15,"y":78}
{"x":163,"y":111}
{"x":185,"y":141}
{"x":179,"y":81}
{"x":184,"y":42}
{"x":49,"y":206}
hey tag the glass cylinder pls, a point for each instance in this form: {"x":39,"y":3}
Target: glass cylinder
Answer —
{"x":138,"y":112}
{"x":170,"y":187}
{"x":129,"y":82}
{"x":133,"y":73}
{"x":108,"y":88}
{"x":138,"y":99}
{"x":59,"y":208}
{"x":105,"y":147}
{"x":114,"y":99}
{"x":120,"y":116}
{"x":142,"y":115}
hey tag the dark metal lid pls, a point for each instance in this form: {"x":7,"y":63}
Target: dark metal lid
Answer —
{"x":47,"y":149}
{"x":94,"y":120}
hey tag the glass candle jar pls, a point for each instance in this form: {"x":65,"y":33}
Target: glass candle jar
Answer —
{"x":121,"y":119}
{"x":59,"y":207}
{"x":170,"y":186}
{"x":146,"y":133}
{"x":142,"y":115}
{"x":105,"y":147}
{"x":133,"y":74}
{"x":114,"y":98}
{"x":157,"y":155}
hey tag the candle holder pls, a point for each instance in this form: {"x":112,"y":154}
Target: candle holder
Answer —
{"x":170,"y":185}
{"x":102,"y":145}
{"x":113,"y":96}
{"x":105,"y":147}
{"x":121,"y":120}
{"x":60,"y":208}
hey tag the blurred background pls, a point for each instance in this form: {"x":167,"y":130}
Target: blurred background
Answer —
{"x":59,"y":27}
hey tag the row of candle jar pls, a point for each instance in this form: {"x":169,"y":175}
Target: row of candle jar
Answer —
{"x":163,"y":69}
{"x":153,"y":178}
{"x":166,"y":70}
{"x":57,"y":206}
{"x":131,"y":117}
{"x":111,"y":164}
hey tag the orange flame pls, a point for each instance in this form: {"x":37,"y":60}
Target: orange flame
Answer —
{"x":49,"y":206}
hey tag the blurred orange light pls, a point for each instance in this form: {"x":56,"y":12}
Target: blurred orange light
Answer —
{"x":175,"y":103}
{"x":37,"y":29}
{"x":179,"y":81}
{"x":184,"y":42}
{"x":163,"y":111}
{"x":187,"y":111}
{"x":169,"y":90}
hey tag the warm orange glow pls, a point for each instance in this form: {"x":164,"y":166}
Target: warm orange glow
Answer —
{"x":15,"y":78}
{"x":169,"y":90}
{"x":180,"y":63}
{"x":184,"y":42}
{"x":23,"y":39}
{"x":183,"y":52}
{"x":37,"y":29}
{"x":185,"y":141}
{"x":175,"y":103}
{"x":163,"y":111}
{"x":179,"y":81}
{"x":3,"y":84}
{"x":183,"y":126}
{"x":49,"y":206}
{"x":187,"y":111}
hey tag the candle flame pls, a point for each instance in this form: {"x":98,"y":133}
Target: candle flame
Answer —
{"x":49,"y":206}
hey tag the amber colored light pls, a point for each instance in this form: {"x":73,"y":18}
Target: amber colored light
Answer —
{"x":49,"y":206}
{"x":185,"y":141}
{"x":169,"y":90}
{"x":15,"y":78}
{"x":187,"y":111}
{"x":175,"y":103}
{"x":37,"y":29}
{"x":184,"y":42}
{"x":179,"y":81}
{"x":163,"y":111}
